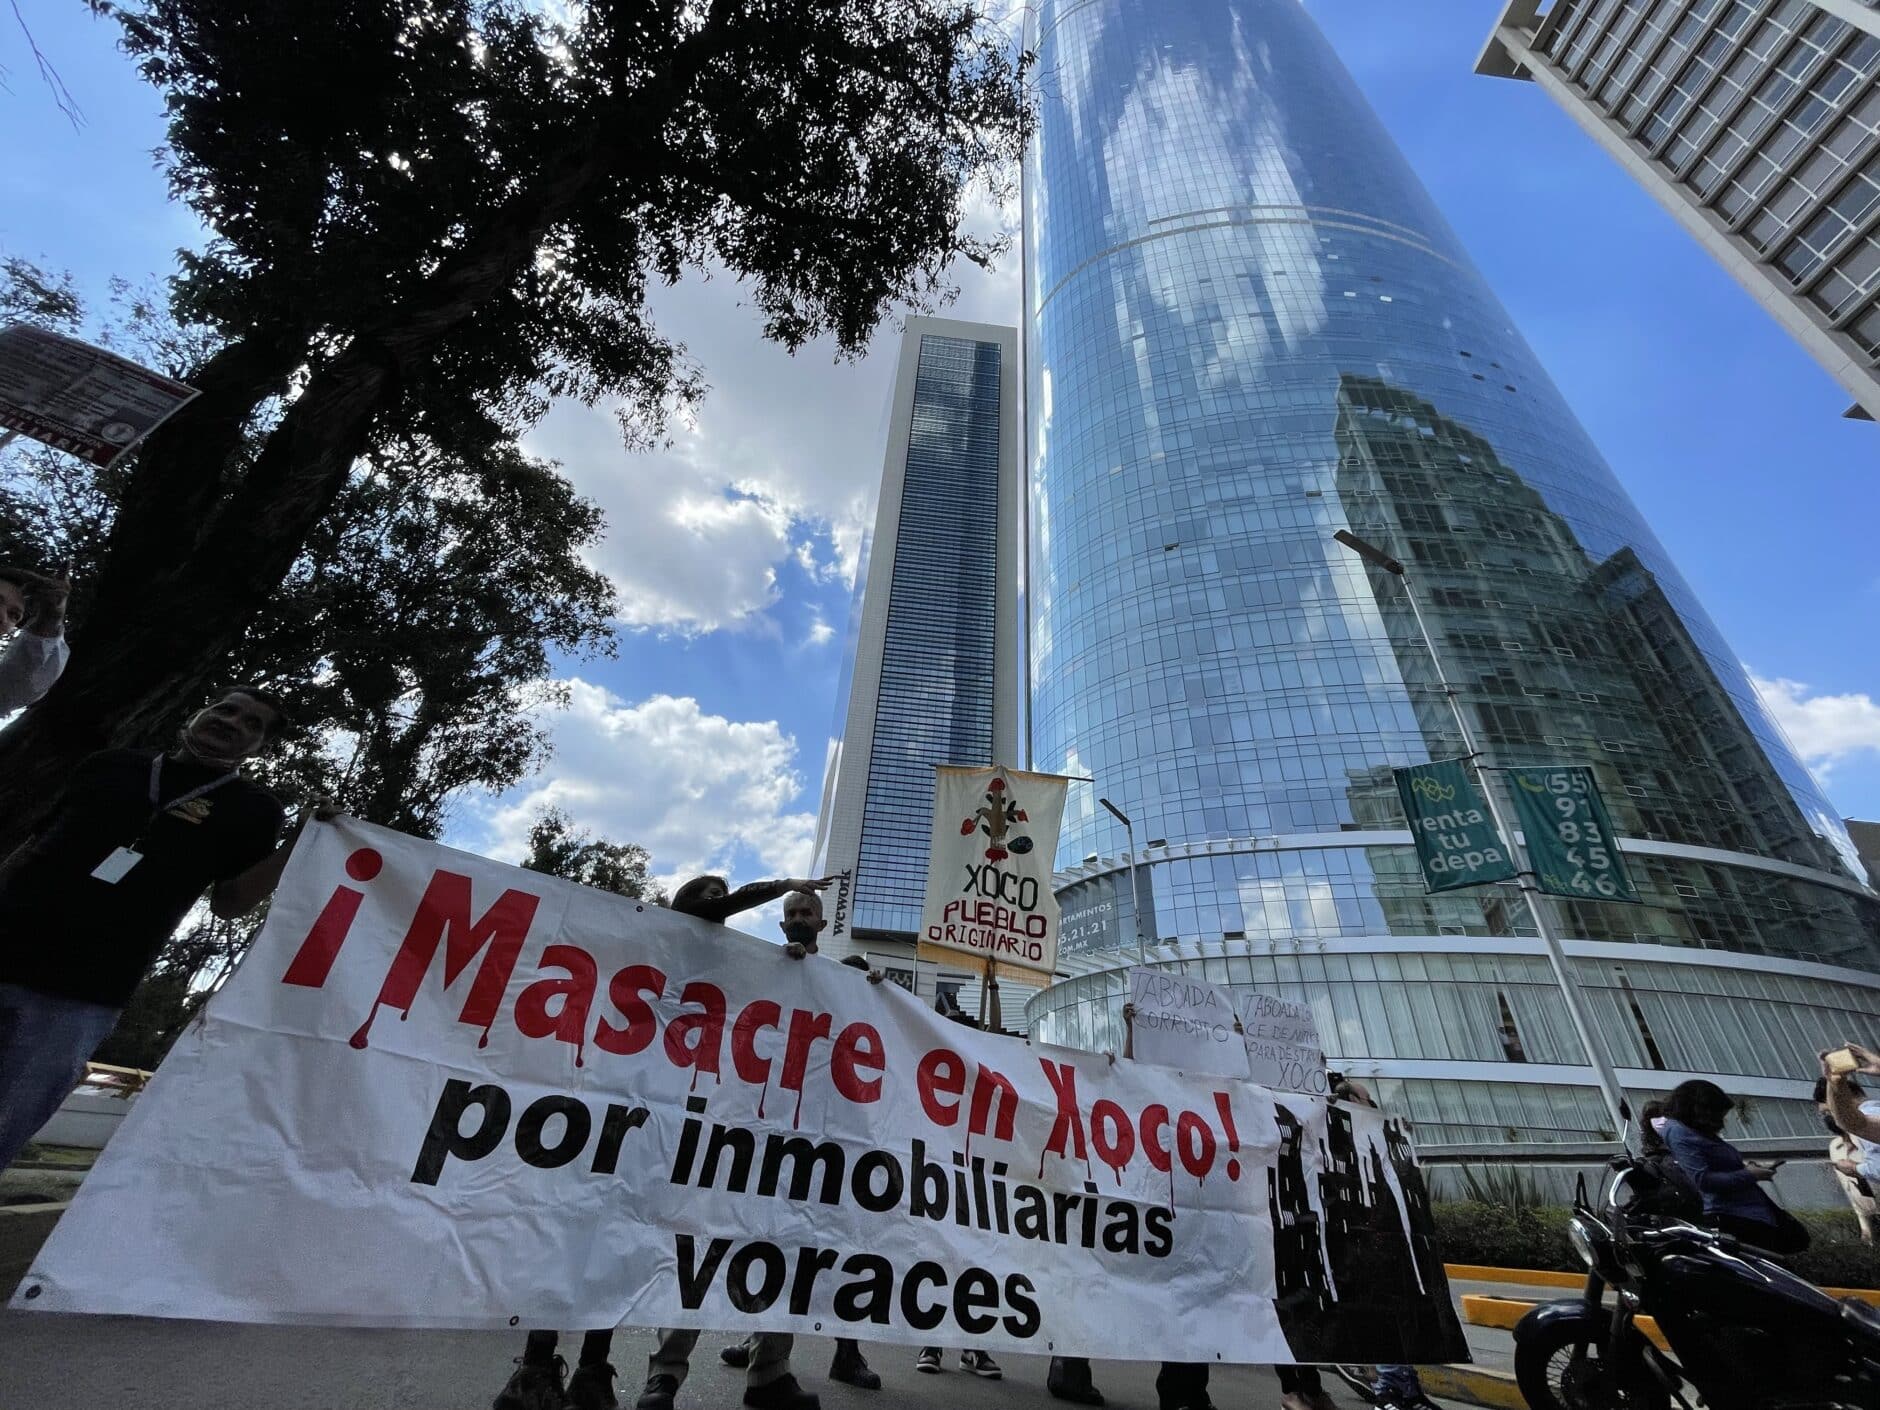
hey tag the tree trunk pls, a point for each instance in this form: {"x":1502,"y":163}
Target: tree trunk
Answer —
{"x":187,"y":569}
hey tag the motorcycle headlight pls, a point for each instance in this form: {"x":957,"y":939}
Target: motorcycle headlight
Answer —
{"x":1584,"y":1247}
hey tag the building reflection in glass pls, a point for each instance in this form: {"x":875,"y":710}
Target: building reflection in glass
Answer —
{"x":1247,"y":326}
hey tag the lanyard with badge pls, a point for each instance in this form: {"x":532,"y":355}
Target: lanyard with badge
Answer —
{"x":117,"y":866}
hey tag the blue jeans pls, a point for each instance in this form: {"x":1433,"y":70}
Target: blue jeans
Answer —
{"x":45,"y":1042}
{"x":1399,"y":1381}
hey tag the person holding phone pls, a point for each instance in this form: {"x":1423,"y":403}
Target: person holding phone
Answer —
{"x":1732,"y":1188}
{"x":32,"y":612}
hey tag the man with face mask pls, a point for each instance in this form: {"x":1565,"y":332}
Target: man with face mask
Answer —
{"x":87,"y":902}
{"x":32,"y":614}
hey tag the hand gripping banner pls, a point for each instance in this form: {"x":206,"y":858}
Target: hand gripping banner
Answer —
{"x":445,"y":1092}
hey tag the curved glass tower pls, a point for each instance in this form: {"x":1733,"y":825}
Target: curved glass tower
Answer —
{"x":1247,"y":326}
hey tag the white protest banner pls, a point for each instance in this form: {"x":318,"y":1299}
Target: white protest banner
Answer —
{"x":78,"y":398}
{"x":1186,"y":1023}
{"x":445,"y":1092}
{"x":1283,"y":1048}
{"x":995,"y":831}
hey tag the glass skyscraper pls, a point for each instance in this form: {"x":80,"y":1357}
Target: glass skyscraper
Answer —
{"x":1247,"y":326}
{"x":931,"y":670}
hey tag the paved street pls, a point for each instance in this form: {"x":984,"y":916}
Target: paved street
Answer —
{"x":121,"y":1363}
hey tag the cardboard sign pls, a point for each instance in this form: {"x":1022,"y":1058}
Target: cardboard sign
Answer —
{"x":78,"y":398}
{"x":1282,"y":1041}
{"x":1186,"y":1023}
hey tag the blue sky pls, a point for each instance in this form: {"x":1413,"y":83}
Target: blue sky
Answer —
{"x":705,"y":739}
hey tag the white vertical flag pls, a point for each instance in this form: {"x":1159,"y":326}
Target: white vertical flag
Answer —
{"x":995,"y":831}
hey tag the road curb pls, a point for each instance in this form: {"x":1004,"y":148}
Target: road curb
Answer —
{"x":1473,"y":1385}
{"x":1530,"y":1277}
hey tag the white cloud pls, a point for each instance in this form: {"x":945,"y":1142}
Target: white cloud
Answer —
{"x":779,"y":467}
{"x":1825,"y":729}
{"x":700,"y":792}
{"x":820,"y":633}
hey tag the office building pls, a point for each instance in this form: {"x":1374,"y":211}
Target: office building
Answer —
{"x":1866,"y":837}
{"x":1756,"y":123}
{"x":932,"y":667}
{"x":1248,"y":327}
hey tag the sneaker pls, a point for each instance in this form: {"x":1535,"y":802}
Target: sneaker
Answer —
{"x":534,"y":1387}
{"x":658,"y":1394}
{"x":852,"y":1368}
{"x":781,"y":1394}
{"x":977,"y":1363}
{"x":592,"y":1387}
{"x":1069,"y":1379}
{"x":928,"y":1361}
{"x":738,"y":1355}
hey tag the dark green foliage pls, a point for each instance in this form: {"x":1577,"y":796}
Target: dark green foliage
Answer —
{"x":1537,"y":1238}
{"x":430,"y":217}
{"x":558,"y":848}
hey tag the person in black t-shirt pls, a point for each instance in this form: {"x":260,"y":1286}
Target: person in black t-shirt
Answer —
{"x":86,"y":903}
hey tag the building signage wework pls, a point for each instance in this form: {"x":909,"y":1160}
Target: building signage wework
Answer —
{"x":995,"y":831}
{"x":1456,"y":843}
{"x":1570,"y":841}
{"x":845,"y":883}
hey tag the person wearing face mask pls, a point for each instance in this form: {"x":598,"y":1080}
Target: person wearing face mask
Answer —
{"x":1846,"y":1155}
{"x":87,"y":902}
{"x":32,"y":614}
{"x":1732,"y":1188}
{"x":538,"y":1380}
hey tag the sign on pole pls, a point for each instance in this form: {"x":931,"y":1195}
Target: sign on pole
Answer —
{"x":995,"y":832}
{"x":1186,"y":1023}
{"x":1200,"y":1027}
{"x":1457,"y":844}
{"x":1570,"y":842}
{"x":78,"y":398}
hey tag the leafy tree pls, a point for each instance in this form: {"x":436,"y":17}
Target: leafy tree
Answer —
{"x":557,"y":848}
{"x":414,"y":630}
{"x":430,"y":217}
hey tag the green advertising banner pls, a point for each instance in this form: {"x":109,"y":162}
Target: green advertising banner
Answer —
{"x":1456,"y":842}
{"x":1570,"y":842}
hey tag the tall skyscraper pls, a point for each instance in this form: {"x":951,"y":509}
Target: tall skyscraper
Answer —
{"x":931,"y":673}
{"x":1757,"y":125}
{"x":1248,"y":327}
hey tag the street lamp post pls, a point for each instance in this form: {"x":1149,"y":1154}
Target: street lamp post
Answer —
{"x":1524,"y":875}
{"x":1135,"y":887}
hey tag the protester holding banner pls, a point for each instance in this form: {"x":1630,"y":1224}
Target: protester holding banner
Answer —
{"x":455,"y":1093}
{"x":537,"y":1381}
{"x":32,"y":609}
{"x":803,"y":924}
{"x":86,"y":904}
{"x":931,"y":1360}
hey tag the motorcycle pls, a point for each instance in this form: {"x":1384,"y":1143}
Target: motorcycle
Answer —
{"x":1743,"y":1332}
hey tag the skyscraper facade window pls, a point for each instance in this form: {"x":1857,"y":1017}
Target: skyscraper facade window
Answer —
{"x":933,"y":659}
{"x":1756,"y":125}
{"x":1247,"y":327}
